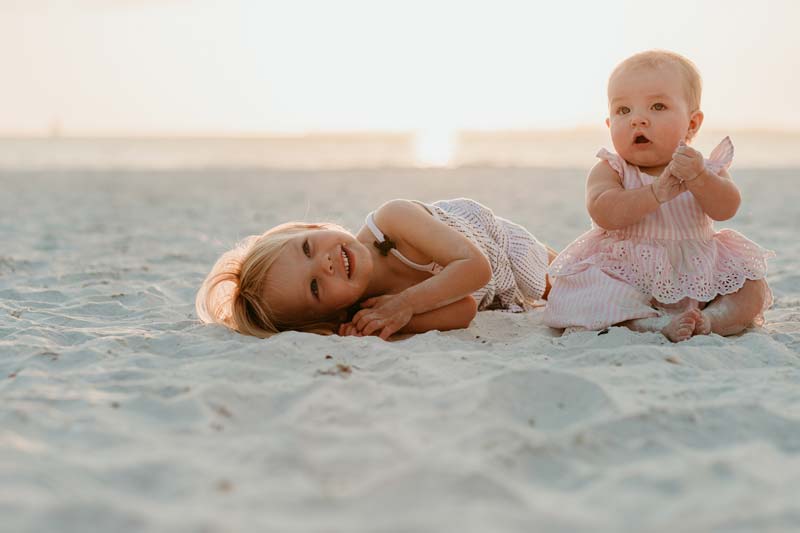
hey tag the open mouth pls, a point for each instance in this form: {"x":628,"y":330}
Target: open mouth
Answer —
{"x":641,"y":139}
{"x":346,"y":261}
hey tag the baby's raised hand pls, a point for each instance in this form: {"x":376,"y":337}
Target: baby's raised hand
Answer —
{"x":667,"y":186}
{"x":383,"y":315}
{"x":687,"y":163}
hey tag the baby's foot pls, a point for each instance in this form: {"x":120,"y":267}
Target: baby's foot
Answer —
{"x":681,"y":327}
{"x":703,"y":324}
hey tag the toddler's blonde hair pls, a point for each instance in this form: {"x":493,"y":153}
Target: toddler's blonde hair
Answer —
{"x":233,"y":292}
{"x":656,"y":58}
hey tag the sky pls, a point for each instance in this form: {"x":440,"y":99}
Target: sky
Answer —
{"x":231,"y":67}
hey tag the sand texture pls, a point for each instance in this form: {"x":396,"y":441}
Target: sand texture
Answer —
{"x":120,"y":412}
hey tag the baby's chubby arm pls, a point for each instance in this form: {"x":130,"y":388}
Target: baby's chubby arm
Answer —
{"x":717,"y":194}
{"x":466,"y":269}
{"x":612,"y":206}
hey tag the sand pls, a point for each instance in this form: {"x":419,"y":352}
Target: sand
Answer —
{"x":120,"y":412}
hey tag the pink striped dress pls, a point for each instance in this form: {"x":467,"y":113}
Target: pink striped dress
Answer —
{"x":671,"y":256}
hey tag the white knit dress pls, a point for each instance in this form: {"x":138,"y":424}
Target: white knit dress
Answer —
{"x":518,"y":260}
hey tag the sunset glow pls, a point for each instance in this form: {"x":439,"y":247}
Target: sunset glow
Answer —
{"x":164,"y":67}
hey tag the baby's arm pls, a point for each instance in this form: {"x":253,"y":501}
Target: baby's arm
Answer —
{"x":613,"y":207}
{"x":717,"y":194}
{"x":466,"y":269}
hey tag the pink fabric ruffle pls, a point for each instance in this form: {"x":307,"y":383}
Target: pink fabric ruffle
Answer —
{"x":615,"y":161}
{"x":669,"y":270}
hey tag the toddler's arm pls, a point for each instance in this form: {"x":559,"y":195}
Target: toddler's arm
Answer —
{"x":456,"y":315}
{"x":613,"y":207}
{"x":717,"y":194}
{"x":466,"y":269}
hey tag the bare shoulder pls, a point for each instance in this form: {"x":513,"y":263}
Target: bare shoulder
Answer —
{"x":422,"y":237}
{"x":601,"y":178}
{"x":602,"y":172}
{"x":398,"y":214}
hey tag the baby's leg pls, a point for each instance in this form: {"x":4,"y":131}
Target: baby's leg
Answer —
{"x":676,"y":328}
{"x":732,"y":313}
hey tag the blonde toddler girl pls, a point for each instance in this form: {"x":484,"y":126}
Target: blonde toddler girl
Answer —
{"x":413,"y":267}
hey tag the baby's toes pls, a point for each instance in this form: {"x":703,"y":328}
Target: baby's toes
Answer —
{"x":686,"y":328}
{"x":681,"y":327}
{"x":702,"y":325}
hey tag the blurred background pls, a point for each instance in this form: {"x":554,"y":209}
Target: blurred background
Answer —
{"x":309,"y":84}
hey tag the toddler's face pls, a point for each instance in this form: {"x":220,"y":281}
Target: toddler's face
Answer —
{"x":649,"y":115}
{"x":318,"y":273}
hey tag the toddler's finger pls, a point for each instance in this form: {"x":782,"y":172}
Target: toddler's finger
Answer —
{"x":370,"y":328}
{"x":359,"y":315}
{"x":369,"y":302}
{"x":364,"y":322}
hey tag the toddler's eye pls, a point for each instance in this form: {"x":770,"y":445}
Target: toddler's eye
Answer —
{"x":314,"y":288}
{"x":306,"y":248}
{"x":658,"y":106}
{"x":623,"y":110}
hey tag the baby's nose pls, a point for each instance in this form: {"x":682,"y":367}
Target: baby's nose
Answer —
{"x":639,"y":120}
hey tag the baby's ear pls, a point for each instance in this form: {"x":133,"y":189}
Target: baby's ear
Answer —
{"x":608,"y":122}
{"x":695,"y":121}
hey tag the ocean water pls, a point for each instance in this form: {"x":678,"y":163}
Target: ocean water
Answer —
{"x":567,"y":149}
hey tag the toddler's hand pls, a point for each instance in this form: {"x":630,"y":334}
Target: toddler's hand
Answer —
{"x":667,"y":186}
{"x":383,"y":315}
{"x":348,"y":329}
{"x":687,"y":163}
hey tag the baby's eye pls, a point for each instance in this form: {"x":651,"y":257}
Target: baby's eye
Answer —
{"x":658,"y":106}
{"x":623,"y":110}
{"x":306,"y":248}
{"x":314,"y":288}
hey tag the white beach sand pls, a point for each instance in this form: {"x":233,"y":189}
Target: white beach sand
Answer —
{"x":120,"y":412}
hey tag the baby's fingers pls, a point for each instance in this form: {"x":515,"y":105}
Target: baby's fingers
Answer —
{"x":681,"y":157}
{"x":688,"y":151}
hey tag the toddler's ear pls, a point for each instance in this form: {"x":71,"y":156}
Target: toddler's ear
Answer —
{"x":608,"y":122}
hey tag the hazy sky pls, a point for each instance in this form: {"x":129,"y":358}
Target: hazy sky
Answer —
{"x":249,"y":66}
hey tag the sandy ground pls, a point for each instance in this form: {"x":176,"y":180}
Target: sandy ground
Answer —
{"x":120,"y":412}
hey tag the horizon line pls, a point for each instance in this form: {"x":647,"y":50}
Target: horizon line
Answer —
{"x":344,"y":133}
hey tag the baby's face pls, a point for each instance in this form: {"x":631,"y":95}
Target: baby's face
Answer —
{"x":649,"y":115}
{"x":318,"y":273}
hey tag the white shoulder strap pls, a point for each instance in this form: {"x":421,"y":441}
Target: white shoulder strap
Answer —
{"x":432,"y":267}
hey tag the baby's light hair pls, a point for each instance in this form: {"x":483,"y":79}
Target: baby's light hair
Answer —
{"x":232,"y":293}
{"x":657,"y":58}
